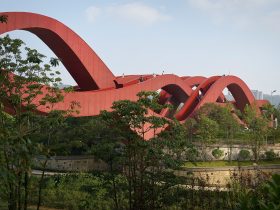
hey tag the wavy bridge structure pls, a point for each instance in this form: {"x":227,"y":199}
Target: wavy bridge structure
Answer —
{"x":98,"y":87}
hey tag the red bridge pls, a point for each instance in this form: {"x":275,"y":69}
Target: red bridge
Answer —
{"x":99,"y":87}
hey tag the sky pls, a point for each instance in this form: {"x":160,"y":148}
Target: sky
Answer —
{"x":183,"y":37}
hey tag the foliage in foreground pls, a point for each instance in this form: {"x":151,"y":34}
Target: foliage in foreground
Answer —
{"x":86,"y":191}
{"x":27,"y":82}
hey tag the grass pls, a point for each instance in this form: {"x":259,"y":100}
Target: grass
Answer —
{"x":222,"y":163}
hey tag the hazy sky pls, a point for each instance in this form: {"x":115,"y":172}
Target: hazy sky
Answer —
{"x":184,"y":37}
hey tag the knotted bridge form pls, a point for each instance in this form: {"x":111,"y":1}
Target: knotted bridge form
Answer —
{"x":98,"y":87}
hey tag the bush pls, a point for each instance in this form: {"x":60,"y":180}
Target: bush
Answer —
{"x":270,"y":155}
{"x":217,"y":153}
{"x":244,"y":154}
{"x":192,"y":154}
{"x":77,"y":192}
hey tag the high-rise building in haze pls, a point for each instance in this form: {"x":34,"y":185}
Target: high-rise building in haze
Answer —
{"x":274,"y":99}
{"x":258,"y":94}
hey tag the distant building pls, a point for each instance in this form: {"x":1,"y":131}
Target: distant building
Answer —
{"x":273,"y":99}
{"x":257,"y":94}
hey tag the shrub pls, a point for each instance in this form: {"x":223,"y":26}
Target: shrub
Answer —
{"x":192,"y":154}
{"x":77,"y":192}
{"x":217,"y":153}
{"x":270,"y":155}
{"x":243,"y":154}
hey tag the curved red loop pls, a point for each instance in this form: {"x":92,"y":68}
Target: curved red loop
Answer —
{"x":86,"y":68}
{"x":100,"y":88}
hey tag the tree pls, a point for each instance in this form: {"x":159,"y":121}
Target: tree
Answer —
{"x":207,"y":130}
{"x":272,"y":114}
{"x":190,"y":125}
{"x":144,"y":163}
{"x":26,"y":83}
{"x":49,"y":126}
{"x":109,"y":149}
{"x":133,"y":124}
{"x":224,"y":117}
{"x":257,"y":129}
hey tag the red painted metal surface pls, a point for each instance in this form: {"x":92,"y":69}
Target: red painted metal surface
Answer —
{"x":81,"y":61}
{"x":99,"y":88}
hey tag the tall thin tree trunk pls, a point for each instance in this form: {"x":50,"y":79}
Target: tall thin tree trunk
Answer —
{"x":10,"y":185}
{"x":114,"y":188}
{"x":26,"y":182}
{"x":26,"y":177}
{"x":41,"y":185}
{"x":130,"y":189}
{"x":19,"y":192}
{"x":129,"y":178}
{"x":12,"y":205}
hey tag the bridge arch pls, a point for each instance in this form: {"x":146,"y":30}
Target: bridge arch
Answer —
{"x":84,"y":65}
{"x":239,"y":90}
